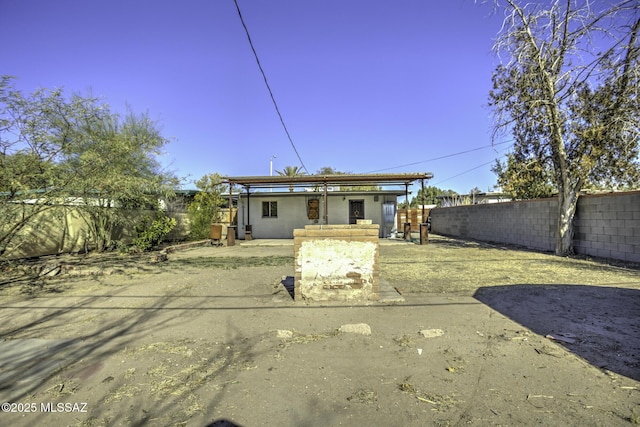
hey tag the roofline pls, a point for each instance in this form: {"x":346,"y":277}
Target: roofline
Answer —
{"x":356,"y":179}
{"x":320,"y":193}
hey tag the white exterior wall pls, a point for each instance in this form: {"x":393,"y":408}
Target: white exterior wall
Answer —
{"x":292,"y":211}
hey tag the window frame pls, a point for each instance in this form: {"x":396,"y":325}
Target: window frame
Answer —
{"x":270,"y":207}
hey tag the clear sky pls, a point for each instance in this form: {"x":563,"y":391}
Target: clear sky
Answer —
{"x":363,"y":85}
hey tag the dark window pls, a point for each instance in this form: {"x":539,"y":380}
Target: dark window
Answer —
{"x":270,"y":209}
{"x":313,"y":209}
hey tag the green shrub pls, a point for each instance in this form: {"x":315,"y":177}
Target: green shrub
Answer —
{"x":150,"y":232}
{"x":205,"y":208}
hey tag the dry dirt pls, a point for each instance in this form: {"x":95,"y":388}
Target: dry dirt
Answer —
{"x":485,"y":336}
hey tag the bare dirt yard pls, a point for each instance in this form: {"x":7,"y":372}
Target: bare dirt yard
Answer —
{"x":485,"y":336}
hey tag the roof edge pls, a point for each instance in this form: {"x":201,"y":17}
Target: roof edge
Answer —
{"x":361,"y":179}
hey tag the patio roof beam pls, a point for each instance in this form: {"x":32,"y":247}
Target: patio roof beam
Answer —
{"x":304,"y":180}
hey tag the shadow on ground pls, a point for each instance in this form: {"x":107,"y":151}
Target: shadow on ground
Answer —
{"x":156,"y":392}
{"x":599,"y":324}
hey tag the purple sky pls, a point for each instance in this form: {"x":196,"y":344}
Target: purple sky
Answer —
{"x":362,"y":85}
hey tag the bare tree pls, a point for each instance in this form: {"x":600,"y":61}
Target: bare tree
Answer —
{"x":568,"y":92}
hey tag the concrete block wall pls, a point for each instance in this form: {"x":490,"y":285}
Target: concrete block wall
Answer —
{"x":528,"y":223}
{"x":336,"y":262}
{"x":606,"y":225}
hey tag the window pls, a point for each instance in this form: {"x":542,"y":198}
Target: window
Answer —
{"x":269,"y":209}
{"x":313,"y":209}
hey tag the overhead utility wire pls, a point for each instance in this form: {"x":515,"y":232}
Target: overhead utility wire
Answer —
{"x":246,"y":30}
{"x":467,"y":171}
{"x":462,"y":173}
{"x":441,"y":157}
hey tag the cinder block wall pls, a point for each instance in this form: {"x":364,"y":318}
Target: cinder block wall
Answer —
{"x":606,"y":225}
{"x":333,"y":262}
{"x":528,"y":223}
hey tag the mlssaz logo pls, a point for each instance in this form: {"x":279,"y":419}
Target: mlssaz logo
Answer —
{"x":63,"y":407}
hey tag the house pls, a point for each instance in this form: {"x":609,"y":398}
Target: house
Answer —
{"x":274,"y":215}
{"x":272,"y":207}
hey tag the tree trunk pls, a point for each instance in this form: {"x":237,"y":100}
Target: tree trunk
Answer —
{"x":567,"y":202}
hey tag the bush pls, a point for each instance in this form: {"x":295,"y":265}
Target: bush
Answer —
{"x":150,"y":232}
{"x":205,"y":208}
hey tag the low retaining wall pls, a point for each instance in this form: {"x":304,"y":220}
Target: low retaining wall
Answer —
{"x":605,"y":225}
{"x":336,"y":262}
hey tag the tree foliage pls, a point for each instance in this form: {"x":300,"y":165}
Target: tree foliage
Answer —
{"x":524,"y":178}
{"x":568,"y":93}
{"x":328,"y":170}
{"x":151,"y":230}
{"x":205,"y":208}
{"x":114,"y":161}
{"x":430,"y":196}
{"x":62,"y":151}
{"x":291,"y":171}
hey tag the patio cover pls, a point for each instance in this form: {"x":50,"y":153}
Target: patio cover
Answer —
{"x":304,"y":180}
{"x":382,"y":179}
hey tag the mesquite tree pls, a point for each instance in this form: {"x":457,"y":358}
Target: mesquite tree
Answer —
{"x":568,"y":92}
{"x":60,"y":151}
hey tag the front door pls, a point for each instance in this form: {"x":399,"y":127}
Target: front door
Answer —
{"x":356,"y":211}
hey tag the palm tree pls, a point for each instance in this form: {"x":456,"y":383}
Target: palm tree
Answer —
{"x":291,"y":171}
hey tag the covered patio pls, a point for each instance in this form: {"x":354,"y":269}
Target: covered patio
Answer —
{"x":321,"y":186}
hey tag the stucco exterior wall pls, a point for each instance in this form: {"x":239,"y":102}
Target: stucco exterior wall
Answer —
{"x":57,"y":230}
{"x":292,"y":212}
{"x":62,"y":229}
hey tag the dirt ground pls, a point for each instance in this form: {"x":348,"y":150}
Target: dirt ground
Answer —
{"x":485,"y":336}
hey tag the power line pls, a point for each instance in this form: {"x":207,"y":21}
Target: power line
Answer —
{"x":264,"y":76}
{"x":441,"y":157}
{"x":467,"y":171}
{"x":462,"y":173}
